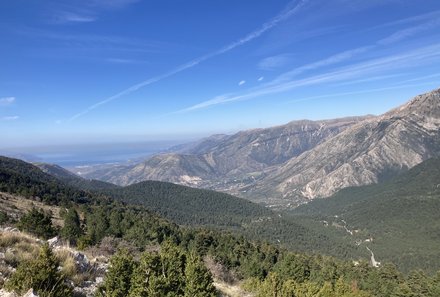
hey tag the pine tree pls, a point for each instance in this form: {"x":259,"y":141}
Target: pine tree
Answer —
{"x":147,"y":279}
{"x":288,"y":289}
{"x":72,"y":226}
{"x":118,"y":279}
{"x":38,"y":223}
{"x":173,"y":262}
{"x":326,"y":290}
{"x":435,"y":285}
{"x":271,"y":286}
{"x":198,"y":279}
{"x":418,"y":283}
{"x":402,"y":290}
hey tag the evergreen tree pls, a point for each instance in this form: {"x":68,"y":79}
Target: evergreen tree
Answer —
{"x":198,"y":279}
{"x":271,"y":286}
{"x":435,"y":285}
{"x":418,"y":283}
{"x":38,"y":223}
{"x":72,"y":226}
{"x":40,"y":274}
{"x":326,"y":290}
{"x":294,"y":266}
{"x":147,"y":278}
{"x":118,"y":278}
{"x":288,"y":289}
{"x":173,"y":262}
{"x":402,"y":290}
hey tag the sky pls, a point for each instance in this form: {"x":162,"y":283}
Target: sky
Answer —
{"x":98,"y":71}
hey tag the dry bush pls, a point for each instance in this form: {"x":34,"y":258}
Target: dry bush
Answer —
{"x":17,"y":247}
{"x":9,"y":239}
{"x":69,"y":267}
{"x":219,"y":271}
{"x":27,"y":247}
{"x":22,"y":253}
{"x":109,"y":246}
{"x":5,"y":272}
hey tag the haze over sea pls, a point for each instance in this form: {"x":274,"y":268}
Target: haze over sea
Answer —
{"x":90,"y":154}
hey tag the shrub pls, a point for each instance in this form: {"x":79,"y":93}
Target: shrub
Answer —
{"x":38,"y":223}
{"x":41,"y":274}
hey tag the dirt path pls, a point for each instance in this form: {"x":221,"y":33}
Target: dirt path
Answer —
{"x":231,"y":290}
{"x":373,"y":261}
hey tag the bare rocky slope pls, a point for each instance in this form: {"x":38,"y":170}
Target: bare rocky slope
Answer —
{"x":299,"y":161}
{"x":365,"y":153}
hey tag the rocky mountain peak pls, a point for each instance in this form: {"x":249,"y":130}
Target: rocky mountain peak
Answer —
{"x":427,"y":104}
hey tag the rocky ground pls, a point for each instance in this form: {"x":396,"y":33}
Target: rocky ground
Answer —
{"x":85,"y":270}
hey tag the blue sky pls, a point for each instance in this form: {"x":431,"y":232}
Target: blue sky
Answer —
{"x":135,"y":70}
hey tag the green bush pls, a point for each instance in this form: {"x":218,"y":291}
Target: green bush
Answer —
{"x":40,"y":274}
{"x":38,"y":223}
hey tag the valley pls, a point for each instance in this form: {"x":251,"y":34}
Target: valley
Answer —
{"x":237,"y":264}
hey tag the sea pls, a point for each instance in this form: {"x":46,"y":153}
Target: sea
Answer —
{"x":70,"y":156}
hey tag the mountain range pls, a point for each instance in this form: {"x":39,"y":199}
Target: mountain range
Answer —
{"x":294,"y":163}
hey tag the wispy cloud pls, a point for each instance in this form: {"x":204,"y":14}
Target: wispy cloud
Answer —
{"x":7,"y":101}
{"x":335,"y":59}
{"x":84,"y":11}
{"x":365,"y":91}
{"x":371,"y":79}
{"x":10,"y":118}
{"x":413,"y":19}
{"x":349,"y":54}
{"x":422,"y":78}
{"x":242,"y":82}
{"x":409,"y":59}
{"x":292,"y":8}
{"x":408,"y":32}
{"x":125,"y":61}
{"x":112,"y":4}
{"x":286,"y":80}
{"x":275,"y":62}
{"x":86,"y":41}
{"x":261,"y":78}
{"x":71,"y":17}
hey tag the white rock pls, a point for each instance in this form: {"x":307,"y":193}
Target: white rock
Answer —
{"x":53,"y":241}
{"x":30,"y":293}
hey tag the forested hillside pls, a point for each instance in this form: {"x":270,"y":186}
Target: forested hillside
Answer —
{"x":22,"y":178}
{"x":401,"y":216}
{"x":181,"y":205}
{"x":189,"y":206}
{"x":171,"y":257}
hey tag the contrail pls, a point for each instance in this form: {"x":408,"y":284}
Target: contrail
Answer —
{"x":290,"y":10}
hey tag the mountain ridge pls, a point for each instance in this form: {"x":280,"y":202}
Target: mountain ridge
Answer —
{"x":225,"y":162}
{"x":293,"y":163}
{"x":366,"y":153}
